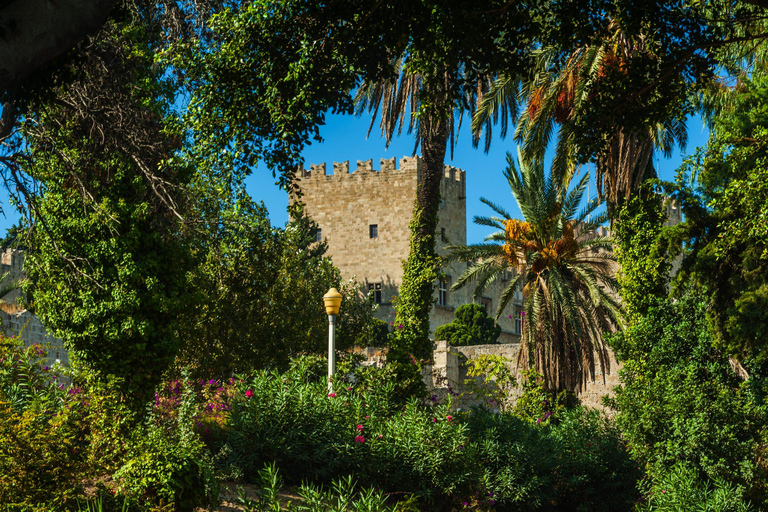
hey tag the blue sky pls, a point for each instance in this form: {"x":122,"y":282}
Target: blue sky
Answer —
{"x":345,"y":139}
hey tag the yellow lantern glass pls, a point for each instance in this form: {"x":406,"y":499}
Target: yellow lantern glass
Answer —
{"x":332,"y":301}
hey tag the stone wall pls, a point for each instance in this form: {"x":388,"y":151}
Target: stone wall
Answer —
{"x":16,"y":321}
{"x":448,"y":375}
{"x":27,"y":326}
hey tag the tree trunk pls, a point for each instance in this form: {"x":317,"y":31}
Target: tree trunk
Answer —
{"x":420,"y":270}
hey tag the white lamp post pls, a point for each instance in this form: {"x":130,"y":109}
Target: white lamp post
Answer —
{"x":332,"y":301}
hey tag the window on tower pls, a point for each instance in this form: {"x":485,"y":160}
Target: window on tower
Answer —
{"x":373,"y":231}
{"x":442,"y":291}
{"x":374,"y":290}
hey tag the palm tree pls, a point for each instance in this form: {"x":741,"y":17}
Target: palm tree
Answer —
{"x":434,"y":126}
{"x":559,"y":92}
{"x":564,"y":269}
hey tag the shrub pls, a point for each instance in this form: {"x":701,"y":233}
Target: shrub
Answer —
{"x":578,"y":463}
{"x":25,"y":379}
{"x":680,"y":400}
{"x":443,"y":458}
{"x":41,"y":442}
{"x":108,"y":419}
{"x":472,"y":326}
{"x":167,"y":463}
{"x":359,"y":429}
{"x":680,"y":488}
{"x":537,"y":405}
{"x":41,"y":458}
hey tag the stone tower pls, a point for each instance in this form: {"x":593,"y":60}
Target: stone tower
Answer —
{"x":364,"y":217}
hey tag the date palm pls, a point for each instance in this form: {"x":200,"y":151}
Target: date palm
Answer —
{"x":559,"y":92}
{"x":563,"y":268}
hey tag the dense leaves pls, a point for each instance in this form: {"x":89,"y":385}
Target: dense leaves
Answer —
{"x":258,"y":295}
{"x":444,"y":458}
{"x":472,"y":326}
{"x":107,"y":270}
{"x":681,"y":401}
{"x":729,"y":222}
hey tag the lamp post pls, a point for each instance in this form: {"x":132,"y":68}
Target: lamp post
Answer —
{"x":332,"y":301}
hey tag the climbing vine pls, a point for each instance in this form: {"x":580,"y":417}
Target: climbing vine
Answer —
{"x":420,"y":271}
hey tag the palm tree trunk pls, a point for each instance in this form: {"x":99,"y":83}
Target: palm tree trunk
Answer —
{"x":420,"y":270}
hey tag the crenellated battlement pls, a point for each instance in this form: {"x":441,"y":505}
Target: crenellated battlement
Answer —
{"x":388,"y":167}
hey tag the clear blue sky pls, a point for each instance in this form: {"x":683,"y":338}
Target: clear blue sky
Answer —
{"x":345,"y":139}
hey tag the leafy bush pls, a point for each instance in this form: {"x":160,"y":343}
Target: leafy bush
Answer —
{"x":167,"y":463}
{"x":108,"y":419}
{"x":257,"y":294}
{"x":25,"y":379}
{"x":41,"y":443}
{"x":490,"y":380}
{"x":537,"y":405}
{"x":41,"y":458}
{"x":680,"y":488}
{"x":578,"y":463}
{"x":680,"y":400}
{"x":441,"y":457}
{"x":472,"y":326}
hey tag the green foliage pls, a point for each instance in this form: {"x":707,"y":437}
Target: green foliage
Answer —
{"x":42,"y":449}
{"x":578,"y":463}
{"x":537,"y":405}
{"x":108,"y":419}
{"x":472,"y":326}
{"x":680,"y":488}
{"x":340,"y":496}
{"x":314,"y":435}
{"x":258,"y":295}
{"x":442,"y":458}
{"x":490,"y":380}
{"x":414,"y":303}
{"x":644,"y":273}
{"x":106,"y":266}
{"x":41,"y":458}
{"x":25,"y":379}
{"x":728,"y":225}
{"x":680,"y":400}
{"x":169,"y":464}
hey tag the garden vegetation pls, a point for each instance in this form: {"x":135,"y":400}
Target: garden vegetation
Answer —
{"x":194,"y":324}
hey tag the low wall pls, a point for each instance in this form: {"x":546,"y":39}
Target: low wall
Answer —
{"x":449,"y":375}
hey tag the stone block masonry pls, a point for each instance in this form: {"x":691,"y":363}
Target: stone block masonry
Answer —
{"x":364,"y":217}
{"x":16,"y":321}
{"x":449,"y":373}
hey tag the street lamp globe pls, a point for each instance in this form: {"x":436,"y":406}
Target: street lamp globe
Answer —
{"x":332,"y":301}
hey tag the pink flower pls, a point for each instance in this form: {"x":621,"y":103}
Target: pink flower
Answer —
{"x":449,"y":418}
{"x":367,"y":417}
{"x":332,"y":395}
{"x":360,"y":427}
{"x":434,"y":420}
{"x":248,"y":394}
{"x":349,"y":389}
{"x":381,"y":436}
{"x":359,"y":439}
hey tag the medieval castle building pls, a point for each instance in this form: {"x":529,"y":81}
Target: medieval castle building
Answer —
{"x":364,"y":217}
